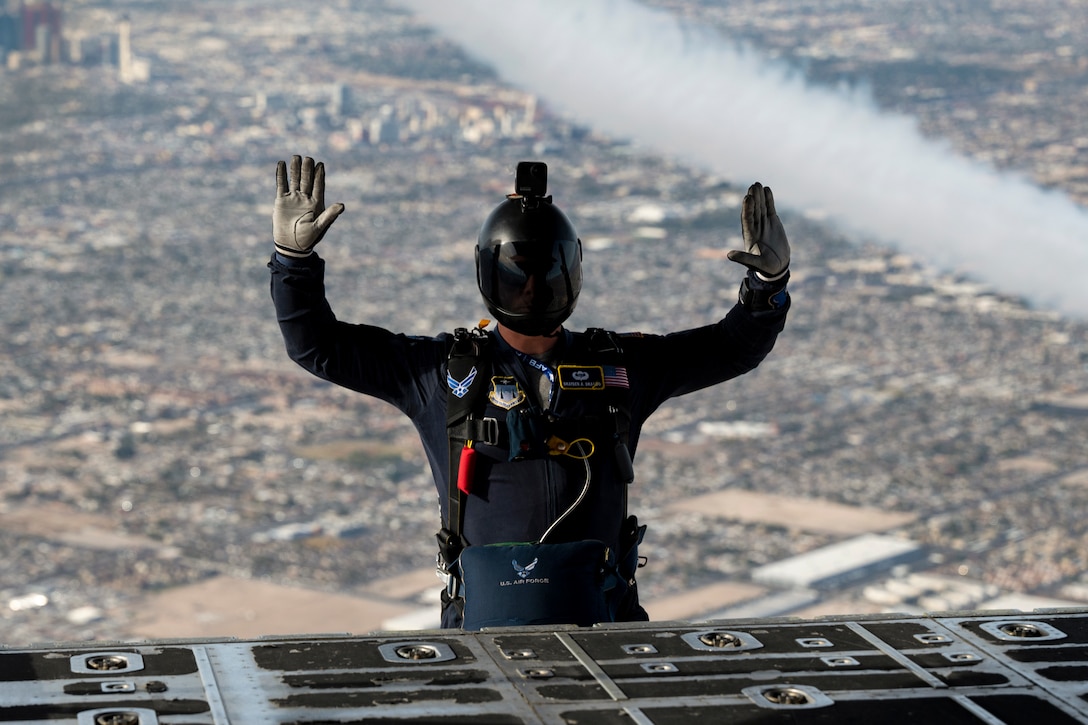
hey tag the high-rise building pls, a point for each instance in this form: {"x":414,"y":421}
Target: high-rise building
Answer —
{"x":40,"y":21}
{"x":130,"y":69}
{"x":33,"y":29}
{"x":124,"y":50}
{"x":10,"y":33}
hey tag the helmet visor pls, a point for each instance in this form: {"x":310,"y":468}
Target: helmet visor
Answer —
{"x":533,"y":279}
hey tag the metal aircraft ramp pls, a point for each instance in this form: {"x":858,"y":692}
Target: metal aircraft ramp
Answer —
{"x":961,"y":667}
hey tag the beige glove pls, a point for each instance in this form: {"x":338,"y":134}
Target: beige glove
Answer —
{"x":299,"y":217}
{"x":767,"y":251}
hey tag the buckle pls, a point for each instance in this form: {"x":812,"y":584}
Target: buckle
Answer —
{"x":487,"y":431}
{"x":447,"y":577}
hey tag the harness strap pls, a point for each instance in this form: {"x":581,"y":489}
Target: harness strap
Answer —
{"x":468,"y":370}
{"x":604,"y":345}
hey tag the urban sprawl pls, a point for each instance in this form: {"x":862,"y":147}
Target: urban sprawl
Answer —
{"x":914,"y":443}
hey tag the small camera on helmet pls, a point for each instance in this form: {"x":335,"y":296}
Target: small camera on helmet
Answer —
{"x":531,"y":179}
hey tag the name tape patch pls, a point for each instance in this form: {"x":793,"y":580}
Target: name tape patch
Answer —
{"x":581,"y":377}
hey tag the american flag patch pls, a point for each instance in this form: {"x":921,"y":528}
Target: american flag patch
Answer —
{"x":616,"y":377}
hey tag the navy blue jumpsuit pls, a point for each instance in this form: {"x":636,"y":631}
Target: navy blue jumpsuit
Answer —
{"x":517,"y":500}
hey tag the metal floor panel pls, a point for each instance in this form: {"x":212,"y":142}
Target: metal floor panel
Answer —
{"x":963,"y":667}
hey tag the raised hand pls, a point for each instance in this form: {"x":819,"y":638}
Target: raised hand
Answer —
{"x":766,"y":249}
{"x":299,"y":216}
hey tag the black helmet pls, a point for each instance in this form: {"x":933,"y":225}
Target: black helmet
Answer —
{"x":529,"y":258}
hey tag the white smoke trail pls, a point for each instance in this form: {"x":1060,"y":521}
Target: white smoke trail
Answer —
{"x":640,"y":74}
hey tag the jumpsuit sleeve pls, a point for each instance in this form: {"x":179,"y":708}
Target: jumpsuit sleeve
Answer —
{"x":399,"y":369}
{"x":665,"y":366}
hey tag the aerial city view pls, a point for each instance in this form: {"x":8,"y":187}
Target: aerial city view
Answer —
{"x":914,"y":443}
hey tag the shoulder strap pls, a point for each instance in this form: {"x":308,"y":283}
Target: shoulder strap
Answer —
{"x":605,"y":346}
{"x":468,"y":370}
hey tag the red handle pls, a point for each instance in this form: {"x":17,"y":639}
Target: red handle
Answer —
{"x":466,"y":471}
